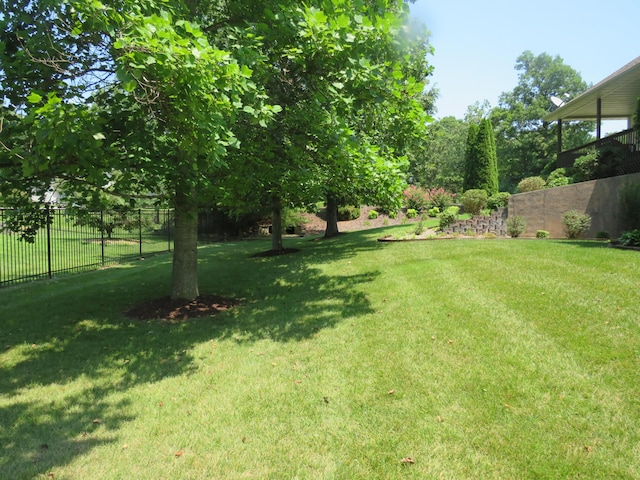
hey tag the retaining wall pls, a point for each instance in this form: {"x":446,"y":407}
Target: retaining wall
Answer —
{"x":494,"y":223}
{"x":543,"y":209}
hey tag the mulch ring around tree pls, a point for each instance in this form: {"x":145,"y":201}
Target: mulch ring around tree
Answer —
{"x":180,"y":310}
{"x":275,"y":253}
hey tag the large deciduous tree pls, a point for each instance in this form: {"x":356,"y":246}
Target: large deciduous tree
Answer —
{"x":142,"y":101}
{"x":349,"y":78}
{"x":525,"y":145}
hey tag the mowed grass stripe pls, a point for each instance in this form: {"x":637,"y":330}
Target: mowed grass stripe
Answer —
{"x":525,"y":354}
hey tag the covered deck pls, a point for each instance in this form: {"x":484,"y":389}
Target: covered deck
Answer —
{"x":614,"y":98}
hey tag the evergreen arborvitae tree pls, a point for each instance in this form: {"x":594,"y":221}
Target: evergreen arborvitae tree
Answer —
{"x":481,"y":164}
{"x":470,"y":155}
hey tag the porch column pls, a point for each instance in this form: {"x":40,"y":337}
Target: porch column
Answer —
{"x":598,"y":118}
{"x":559,"y":136}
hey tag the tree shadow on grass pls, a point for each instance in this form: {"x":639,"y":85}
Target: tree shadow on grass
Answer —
{"x":39,"y":435}
{"x":71,"y":334}
{"x":587,"y":243}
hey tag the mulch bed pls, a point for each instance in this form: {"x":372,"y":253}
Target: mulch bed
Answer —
{"x":179,"y":310}
{"x":275,"y":253}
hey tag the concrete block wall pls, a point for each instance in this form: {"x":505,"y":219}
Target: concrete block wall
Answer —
{"x":543,"y":209}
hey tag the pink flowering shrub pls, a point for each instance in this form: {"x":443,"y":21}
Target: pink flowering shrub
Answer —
{"x":441,"y":198}
{"x":416,"y":198}
{"x":421,"y":199}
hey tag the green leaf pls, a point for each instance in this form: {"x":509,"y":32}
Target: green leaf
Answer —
{"x":343,"y":21}
{"x":127,"y":80}
{"x":34,"y":98}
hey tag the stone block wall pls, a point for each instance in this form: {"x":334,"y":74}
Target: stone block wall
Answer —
{"x":495,"y":223}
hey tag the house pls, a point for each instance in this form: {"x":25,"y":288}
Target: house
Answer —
{"x":615,"y":97}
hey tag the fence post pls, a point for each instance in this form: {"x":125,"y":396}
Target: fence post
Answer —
{"x":48,"y":221}
{"x":140,"y":229}
{"x":102,"y":236}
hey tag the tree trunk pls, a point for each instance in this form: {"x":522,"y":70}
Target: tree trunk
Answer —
{"x":276,"y":225}
{"x":184,"y":280}
{"x":332,"y":217}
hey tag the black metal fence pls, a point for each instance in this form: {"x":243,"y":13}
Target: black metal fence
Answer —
{"x":70,"y":242}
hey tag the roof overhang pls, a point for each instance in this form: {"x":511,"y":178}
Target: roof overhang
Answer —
{"x":618,"y":94}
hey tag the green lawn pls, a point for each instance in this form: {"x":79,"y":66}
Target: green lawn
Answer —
{"x":478,"y":359}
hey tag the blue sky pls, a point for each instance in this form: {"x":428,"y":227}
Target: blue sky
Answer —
{"x":476,"y":43}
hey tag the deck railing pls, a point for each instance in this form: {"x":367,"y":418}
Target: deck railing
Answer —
{"x":626,"y":144}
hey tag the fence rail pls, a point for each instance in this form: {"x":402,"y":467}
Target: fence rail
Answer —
{"x":626,"y":144}
{"x":70,"y":242}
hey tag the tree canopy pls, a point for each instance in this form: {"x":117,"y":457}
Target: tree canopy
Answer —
{"x":525,"y":145}
{"x":208,"y":102}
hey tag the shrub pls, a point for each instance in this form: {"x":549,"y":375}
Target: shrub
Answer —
{"x":474,"y":200}
{"x":602,"y":163}
{"x":630,"y":238}
{"x":557,"y":178}
{"x":393,"y":214}
{"x":531,"y":184}
{"x":449,"y":216}
{"x":412,"y":213}
{"x":421,"y":200}
{"x":516,"y":226}
{"x":372,"y":214}
{"x":629,"y":203}
{"x":585,"y":166}
{"x":440,"y":198}
{"x":575,"y":223}
{"x":348,"y":212}
{"x":499,"y":200}
{"x":419,"y":228}
{"x":610,"y":158}
{"x":602,"y":235}
{"x":292,"y":217}
{"x":416,"y":198}
{"x":434,"y":211}
{"x":542,"y":234}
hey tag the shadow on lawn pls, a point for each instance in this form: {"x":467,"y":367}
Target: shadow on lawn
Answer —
{"x":75,"y":343}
